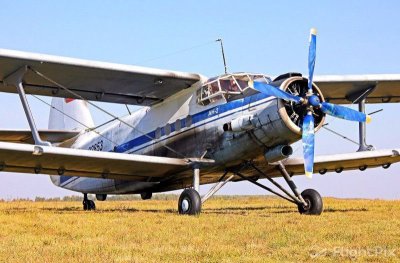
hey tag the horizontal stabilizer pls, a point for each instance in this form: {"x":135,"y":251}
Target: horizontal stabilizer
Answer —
{"x":25,"y":136}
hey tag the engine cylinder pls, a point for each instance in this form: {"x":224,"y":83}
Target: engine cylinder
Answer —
{"x":292,"y":114}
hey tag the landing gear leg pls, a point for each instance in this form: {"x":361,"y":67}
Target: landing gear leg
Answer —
{"x":309,"y":202}
{"x":190,"y":201}
{"x":87,"y":203}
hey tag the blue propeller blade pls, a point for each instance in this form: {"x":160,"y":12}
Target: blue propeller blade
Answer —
{"x":308,"y":143}
{"x":275,"y":92}
{"x":344,"y":112}
{"x":312,"y":52}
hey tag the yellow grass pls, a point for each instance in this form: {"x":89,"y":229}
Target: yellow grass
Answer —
{"x":245,"y":229}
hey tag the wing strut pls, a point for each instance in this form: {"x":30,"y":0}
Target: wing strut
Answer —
{"x":362,"y":130}
{"x":15,"y":79}
{"x":360,"y":98}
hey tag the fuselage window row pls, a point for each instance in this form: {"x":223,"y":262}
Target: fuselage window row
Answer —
{"x":171,"y":127}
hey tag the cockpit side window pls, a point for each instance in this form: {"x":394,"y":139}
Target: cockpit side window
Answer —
{"x":209,"y":93}
{"x":230,"y":85}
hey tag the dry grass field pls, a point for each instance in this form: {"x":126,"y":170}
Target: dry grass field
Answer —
{"x":241,"y":229}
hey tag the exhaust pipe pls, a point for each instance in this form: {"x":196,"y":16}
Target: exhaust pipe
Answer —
{"x":278,"y":153}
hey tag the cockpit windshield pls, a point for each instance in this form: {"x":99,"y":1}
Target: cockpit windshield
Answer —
{"x":229,"y":87}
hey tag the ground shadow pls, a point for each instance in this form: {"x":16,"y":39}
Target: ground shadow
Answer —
{"x":63,"y":209}
{"x":335,"y":210}
{"x":220,"y":211}
{"x":109,"y":210}
{"x":246,"y":210}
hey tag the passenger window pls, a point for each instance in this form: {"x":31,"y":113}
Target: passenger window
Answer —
{"x":177,"y":125}
{"x":167,"y":129}
{"x":189,"y":121}
{"x":158,"y":133}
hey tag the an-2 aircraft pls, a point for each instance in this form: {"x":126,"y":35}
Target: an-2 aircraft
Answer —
{"x":190,"y":131}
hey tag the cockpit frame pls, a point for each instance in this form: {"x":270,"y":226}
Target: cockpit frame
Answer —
{"x":229,"y":87}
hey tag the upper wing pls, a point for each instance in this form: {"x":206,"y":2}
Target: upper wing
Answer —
{"x":346,"y":89}
{"x":26,"y":158}
{"x":25,"y":136}
{"x":98,"y":81}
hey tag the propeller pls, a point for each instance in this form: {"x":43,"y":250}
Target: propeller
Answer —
{"x":276,"y":92}
{"x":311,"y":101}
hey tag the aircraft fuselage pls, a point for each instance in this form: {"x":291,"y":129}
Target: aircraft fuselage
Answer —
{"x":191,"y":130}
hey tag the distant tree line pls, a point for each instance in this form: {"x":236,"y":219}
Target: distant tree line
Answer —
{"x":135,"y":197}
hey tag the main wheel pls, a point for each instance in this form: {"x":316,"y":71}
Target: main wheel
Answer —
{"x":314,"y":203}
{"x":89,"y":205}
{"x":92,"y":205}
{"x":85,"y":205}
{"x":189,"y":202}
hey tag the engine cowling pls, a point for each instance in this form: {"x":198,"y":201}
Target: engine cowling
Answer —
{"x":292,"y":114}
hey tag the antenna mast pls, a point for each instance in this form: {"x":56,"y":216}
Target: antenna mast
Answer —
{"x":223,"y":54}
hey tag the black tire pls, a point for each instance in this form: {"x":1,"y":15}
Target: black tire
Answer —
{"x":314,"y":201}
{"x":189,"y":202}
{"x":85,"y":205}
{"x":101,"y":197}
{"x":146,"y":195}
{"x":92,"y":205}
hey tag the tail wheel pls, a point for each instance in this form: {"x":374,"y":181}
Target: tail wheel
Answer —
{"x":101,"y":197}
{"x":146,"y":195}
{"x":189,"y":202}
{"x":314,"y":203}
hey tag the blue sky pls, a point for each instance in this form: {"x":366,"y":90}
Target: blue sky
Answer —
{"x":354,"y":37}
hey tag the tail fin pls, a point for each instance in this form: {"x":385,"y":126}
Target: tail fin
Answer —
{"x":65,"y":113}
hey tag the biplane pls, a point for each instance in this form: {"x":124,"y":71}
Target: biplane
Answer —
{"x":190,"y":129}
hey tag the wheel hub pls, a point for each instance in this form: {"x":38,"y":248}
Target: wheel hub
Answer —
{"x":185,"y":205}
{"x":308,"y":204}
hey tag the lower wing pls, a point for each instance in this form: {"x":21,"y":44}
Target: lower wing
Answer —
{"x":347,"y":161}
{"x":337,"y":162}
{"x":27,"y":158}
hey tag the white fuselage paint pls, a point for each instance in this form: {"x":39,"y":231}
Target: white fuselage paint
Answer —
{"x":205,"y":136}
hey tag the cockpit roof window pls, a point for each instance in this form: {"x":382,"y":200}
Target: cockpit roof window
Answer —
{"x":229,"y":87}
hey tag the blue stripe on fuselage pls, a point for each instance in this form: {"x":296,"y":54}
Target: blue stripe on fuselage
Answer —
{"x":196,"y":118}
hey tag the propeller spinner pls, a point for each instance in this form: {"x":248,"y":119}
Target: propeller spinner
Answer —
{"x":311,"y":102}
